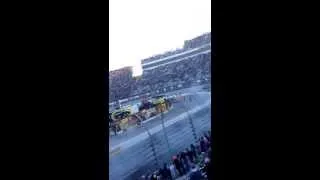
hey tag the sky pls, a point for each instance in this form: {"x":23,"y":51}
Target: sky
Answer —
{"x":139,"y":29}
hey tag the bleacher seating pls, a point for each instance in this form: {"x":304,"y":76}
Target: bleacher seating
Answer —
{"x":193,"y":68}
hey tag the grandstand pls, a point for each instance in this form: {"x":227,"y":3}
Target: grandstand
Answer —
{"x":149,"y":65}
{"x":119,"y":83}
{"x":198,"y":41}
{"x":165,"y":72}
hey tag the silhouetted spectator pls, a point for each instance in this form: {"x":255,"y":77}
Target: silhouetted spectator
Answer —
{"x":184,"y":160}
{"x":202,"y":145}
{"x":207,"y":164}
{"x":154,"y":177}
{"x":195,"y":174}
{"x":181,"y":163}
{"x":207,"y":136}
{"x":190,"y":155}
{"x":178,"y":165}
{"x":173,"y":171}
{"x":165,"y":173}
{"x":194,"y":151}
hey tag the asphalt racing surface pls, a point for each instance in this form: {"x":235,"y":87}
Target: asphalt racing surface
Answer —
{"x":177,"y":109}
{"x":136,"y":153}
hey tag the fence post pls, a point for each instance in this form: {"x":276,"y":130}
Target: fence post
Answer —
{"x":151,"y":143}
{"x":190,"y":121}
{"x":152,"y":147}
{"x":165,"y":133}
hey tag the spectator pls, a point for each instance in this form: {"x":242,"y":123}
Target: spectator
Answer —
{"x":177,"y":165}
{"x":207,"y":166}
{"x":206,"y":135}
{"x":154,"y":177}
{"x":181,"y":164}
{"x":166,"y":173}
{"x":184,"y":160}
{"x":193,"y":150}
{"x":205,"y":138}
{"x":201,"y":157}
{"x":148,"y":176}
{"x":195,"y":174}
{"x":182,"y":156}
{"x":202,"y":145}
{"x":173,"y":171}
{"x":190,"y":155}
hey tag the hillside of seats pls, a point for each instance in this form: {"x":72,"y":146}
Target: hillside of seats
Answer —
{"x":120,"y":82}
{"x":169,"y":76}
{"x":189,"y":44}
{"x":164,"y":78}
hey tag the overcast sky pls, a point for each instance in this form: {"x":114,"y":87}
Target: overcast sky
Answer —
{"x":141,"y":28}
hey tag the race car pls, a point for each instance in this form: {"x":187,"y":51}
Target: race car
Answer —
{"x":161,"y":103}
{"x":120,"y":114}
{"x":120,"y":119}
{"x":158,"y":100}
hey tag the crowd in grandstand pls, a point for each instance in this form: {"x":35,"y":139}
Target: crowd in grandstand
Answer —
{"x":198,"y":41}
{"x":193,"y":43}
{"x":193,"y":69}
{"x":119,"y":83}
{"x":171,"y":75}
{"x":166,"y":54}
{"x":193,"y":162}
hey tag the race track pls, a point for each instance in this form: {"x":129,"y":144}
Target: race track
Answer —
{"x":132,"y":155}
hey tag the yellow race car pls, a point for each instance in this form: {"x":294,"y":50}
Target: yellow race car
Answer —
{"x":120,"y":114}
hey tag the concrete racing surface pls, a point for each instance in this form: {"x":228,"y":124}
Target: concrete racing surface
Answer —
{"x":131,"y":155}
